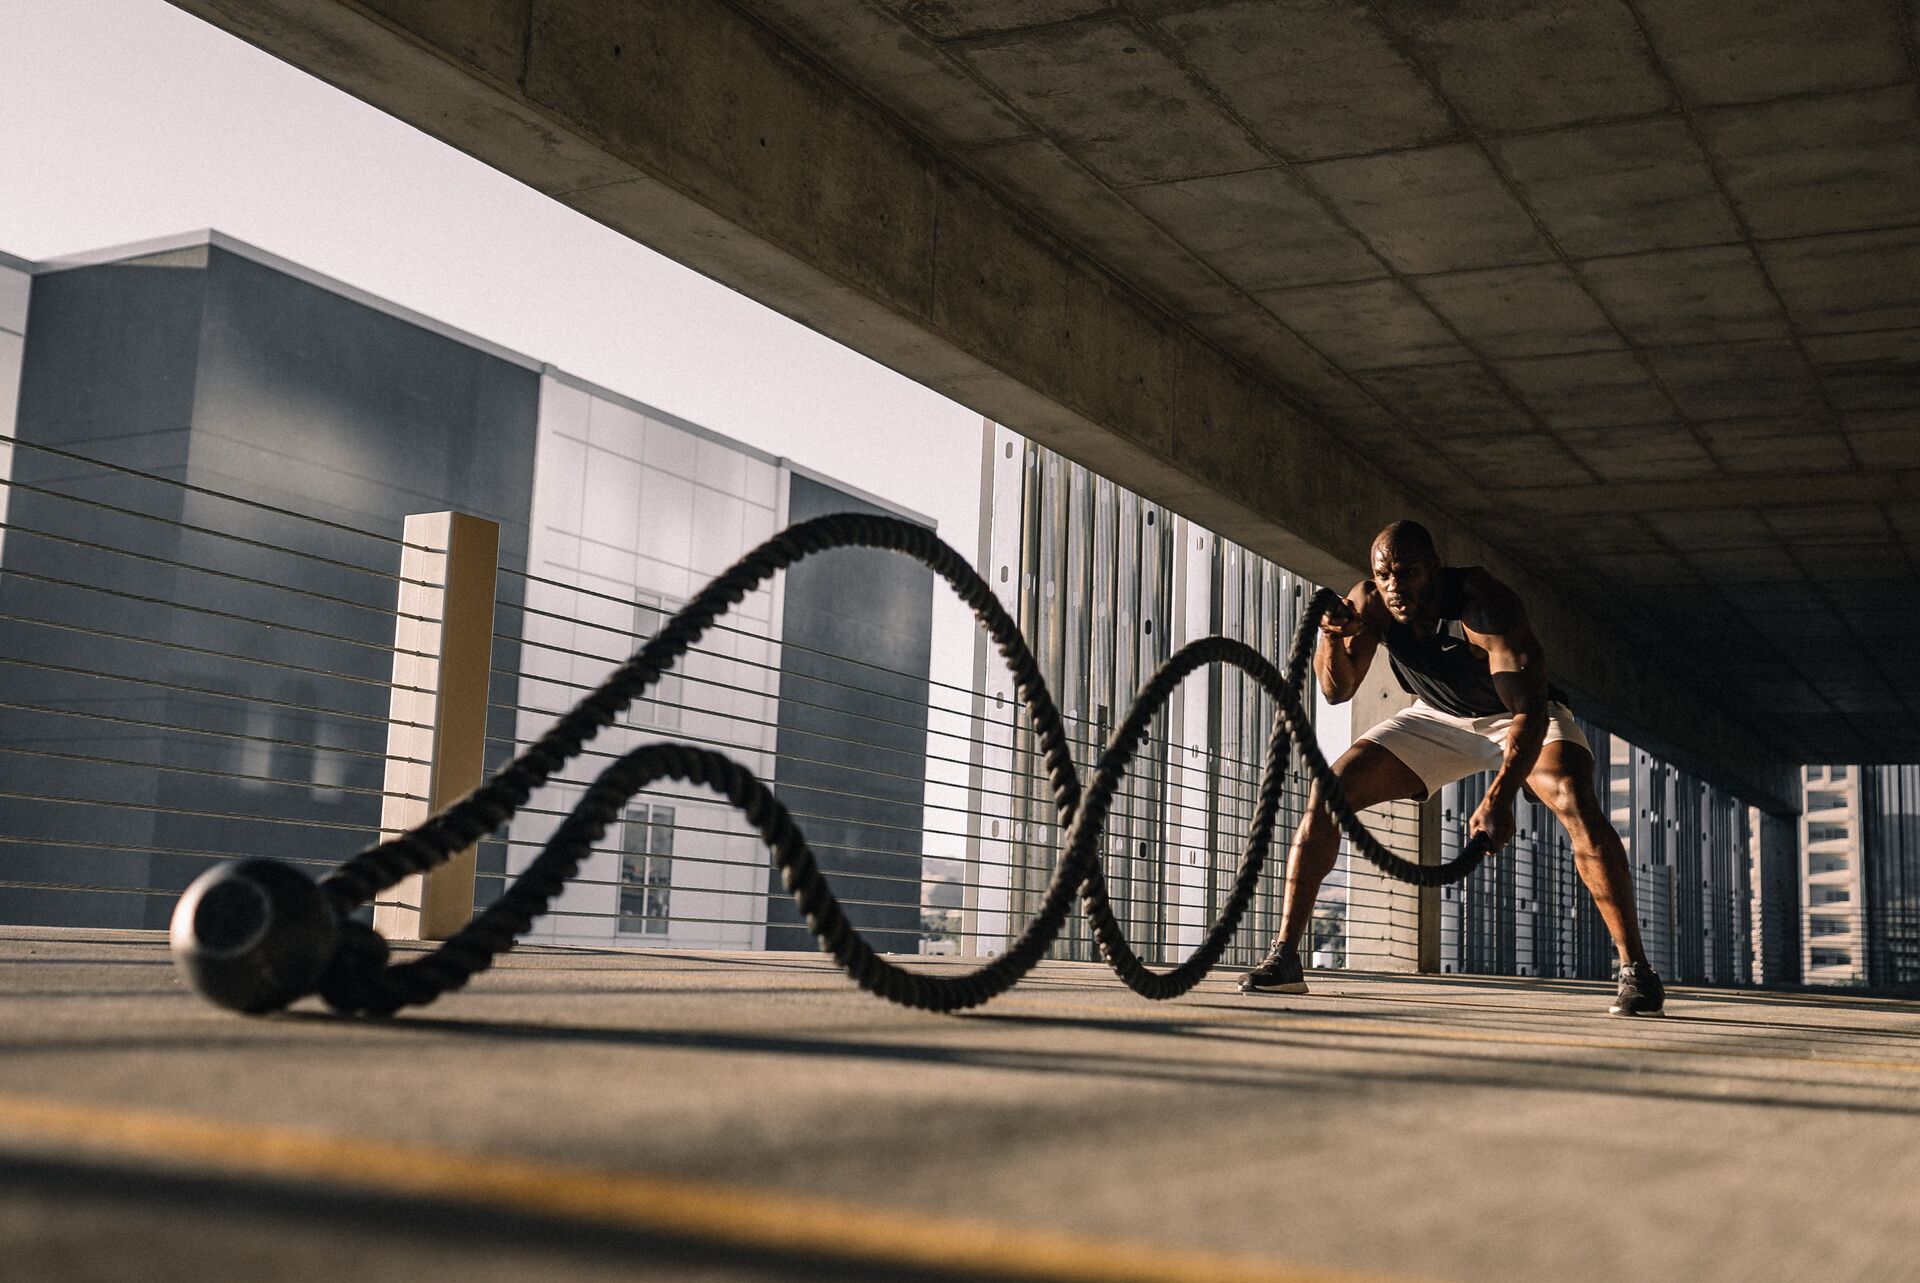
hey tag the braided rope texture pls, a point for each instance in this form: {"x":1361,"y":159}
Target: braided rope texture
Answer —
{"x":361,"y":980}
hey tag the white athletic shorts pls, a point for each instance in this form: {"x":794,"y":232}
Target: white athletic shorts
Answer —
{"x":1441,"y":748}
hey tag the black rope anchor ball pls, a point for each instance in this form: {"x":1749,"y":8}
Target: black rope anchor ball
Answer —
{"x":254,"y":935}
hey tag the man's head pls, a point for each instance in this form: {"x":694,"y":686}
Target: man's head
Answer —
{"x":1405,"y":570}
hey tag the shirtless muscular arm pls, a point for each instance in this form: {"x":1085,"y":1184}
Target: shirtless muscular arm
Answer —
{"x":1348,"y":640}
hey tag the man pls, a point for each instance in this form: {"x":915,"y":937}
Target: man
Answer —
{"x":1459,"y":642}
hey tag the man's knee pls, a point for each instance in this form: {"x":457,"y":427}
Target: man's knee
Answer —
{"x":1579,"y":812}
{"x":1317,"y":825}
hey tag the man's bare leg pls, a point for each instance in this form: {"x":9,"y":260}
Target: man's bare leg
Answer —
{"x":1369,"y":775}
{"x":1562,"y":779}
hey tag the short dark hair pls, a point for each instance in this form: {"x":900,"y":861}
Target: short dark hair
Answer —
{"x":1407,"y":539}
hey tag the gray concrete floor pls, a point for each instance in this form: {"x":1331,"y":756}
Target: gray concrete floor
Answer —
{"x":1407,"y":1126}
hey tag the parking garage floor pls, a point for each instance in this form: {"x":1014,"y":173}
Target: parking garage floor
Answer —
{"x":601,"y":1115}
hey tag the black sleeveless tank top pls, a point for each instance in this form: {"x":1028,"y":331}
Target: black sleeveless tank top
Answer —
{"x":1443,"y":667}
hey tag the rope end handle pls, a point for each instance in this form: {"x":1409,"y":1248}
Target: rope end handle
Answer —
{"x":1478,"y":848}
{"x":254,"y":935}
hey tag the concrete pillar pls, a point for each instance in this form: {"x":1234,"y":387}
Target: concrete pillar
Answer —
{"x":437,"y":718}
{"x":1391,"y":926}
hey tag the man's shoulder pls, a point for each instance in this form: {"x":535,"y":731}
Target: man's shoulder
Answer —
{"x":1487,"y":604}
{"x":1476,"y":581}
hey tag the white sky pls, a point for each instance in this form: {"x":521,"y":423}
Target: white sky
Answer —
{"x":121,"y":120}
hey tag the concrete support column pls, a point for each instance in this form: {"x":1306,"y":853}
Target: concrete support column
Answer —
{"x":437,"y":718}
{"x":1391,"y":926}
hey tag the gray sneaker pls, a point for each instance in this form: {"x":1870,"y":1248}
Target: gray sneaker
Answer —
{"x":1280,"y":973}
{"x":1641,"y":993}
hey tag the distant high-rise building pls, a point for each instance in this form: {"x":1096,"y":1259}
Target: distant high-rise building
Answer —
{"x":1860,"y":881}
{"x":1831,"y":870}
{"x":189,"y":677}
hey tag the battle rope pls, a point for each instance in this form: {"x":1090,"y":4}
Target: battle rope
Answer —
{"x":256,"y":934}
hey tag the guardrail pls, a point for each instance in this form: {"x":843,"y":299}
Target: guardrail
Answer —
{"x":189,"y":675}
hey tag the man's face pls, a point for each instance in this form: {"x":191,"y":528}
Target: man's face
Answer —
{"x":1406,"y":583}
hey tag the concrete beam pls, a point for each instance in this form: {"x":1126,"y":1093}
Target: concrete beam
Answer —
{"x":693,"y":129}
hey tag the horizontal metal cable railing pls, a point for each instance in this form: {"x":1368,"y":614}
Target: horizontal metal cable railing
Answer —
{"x":182,"y":686}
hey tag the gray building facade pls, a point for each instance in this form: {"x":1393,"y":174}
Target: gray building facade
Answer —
{"x":197,"y":584}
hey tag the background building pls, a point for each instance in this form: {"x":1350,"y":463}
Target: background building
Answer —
{"x":198,"y":587}
{"x":1106,"y":585}
{"x":1861,"y":879}
{"x":1831,"y":882}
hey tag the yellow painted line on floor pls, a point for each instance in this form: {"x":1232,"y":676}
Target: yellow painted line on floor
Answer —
{"x":730,"y":1215}
{"x":1286,"y":1022}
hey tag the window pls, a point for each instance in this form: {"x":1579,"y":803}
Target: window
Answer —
{"x":1832,"y":958}
{"x":646,"y":869}
{"x":1826,"y":832}
{"x":1820,"y":800}
{"x":660,"y":706}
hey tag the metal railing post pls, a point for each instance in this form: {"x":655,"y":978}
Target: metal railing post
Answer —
{"x":437,"y":727}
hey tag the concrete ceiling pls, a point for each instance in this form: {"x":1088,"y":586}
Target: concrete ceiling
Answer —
{"x":1631,"y":288}
{"x":1623,"y":296}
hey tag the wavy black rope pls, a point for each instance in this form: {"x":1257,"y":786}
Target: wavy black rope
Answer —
{"x":362,"y":980}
